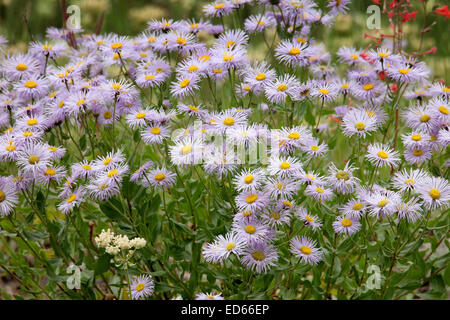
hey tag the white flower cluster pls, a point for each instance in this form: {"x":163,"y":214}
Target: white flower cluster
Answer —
{"x":113,"y":244}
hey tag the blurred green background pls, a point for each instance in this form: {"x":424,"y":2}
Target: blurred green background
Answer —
{"x":129,"y":17}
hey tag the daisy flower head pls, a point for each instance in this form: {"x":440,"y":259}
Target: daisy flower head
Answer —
{"x":252,"y":200}
{"x":142,"y":287}
{"x":293,"y":54}
{"x":34,"y":158}
{"x":279,"y":187}
{"x":219,"y":8}
{"x":417,"y":155}
{"x":368,"y":90}
{"x":249,"y":180}
{"x":100,"y":190}
{"x":232,"y":39}
{"x":354,"y":208}
{"x":309,"y":219}
{"x":73,"y":200}
{"x":33,"y":87}
{"x":8,"y":196}
{"x":160,"y":178}
{"x":229,"y":119}
{"x":411,"y":210}
{"x":380,"y":155}
{"x":342,"y":181}
{"x":415,"y":139}
{"x":251,"y":229}
{"x":278,"y":90}
{"x":349,"y":55}
{"x":306,"y":250}
{"x":314,"y":149}
{"x":209,"y":296}
{"x":258,"y":75}
{"x":420,"y":117}
{"x":358,"y":122}
{"x":275,"y":217}
{"x":434,"y":192}
{"x":223,"y":246}
{"x":311,"y":178}
{"x":318,"y":192}
{"x":154,"y":134}
{"x":259,"y":257}
{"x":258,"y":23}
{"x":185,"y":85}
{"x":187,"y":151}
{"x":325,"y":91}
{"x":20,"y":66}
{"x":52,"y":173}
{"x":439,"y":89}
{"x":440,"y":109}
{"x":111,"y":160}
{"x":229,"y":58}
{"x":284,"y":166}
{"x":381,"y":204}
{"x":404,"y":72}
{"x":192,"y":110}
{"x":346,"y":225}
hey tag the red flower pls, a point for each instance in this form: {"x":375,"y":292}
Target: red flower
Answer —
{"x":394,"y":87}
{"x":382,"y":75}
{"x":407,"y":16}
{"x":443,"y":12}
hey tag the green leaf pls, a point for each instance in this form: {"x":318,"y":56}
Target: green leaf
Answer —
{"x":102,"y":264}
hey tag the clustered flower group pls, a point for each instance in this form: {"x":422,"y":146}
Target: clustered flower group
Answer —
{"x":41,"y":100}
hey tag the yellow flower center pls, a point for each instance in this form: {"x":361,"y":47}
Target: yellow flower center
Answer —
{"x":382,"y":154}
{"x":33,"y":159}
{"x":409,"y":181}
{"x":424,"y":118}
{"x":368,"y":86}
{"x":230,"y":43}
{"x":230,"y":246}
{"x":181,"y":40}
{"x":282,"y":87}
{"x":416,"y":137}
{"x":285,"y":165}
{"x":192,"y":68}
{"x":50,"y":172}
{"x":382,"y":203}
{"x":21,"y":67}
{"x":404,"y":71}
{"x":10,"y":148}
{"x":260,"y":76}
{"x":184,"y":83}
{"x":32,"y":122}
{"x":275,"y":215}
{"x":258,"y":255}
{"x":279,"y":186}
{"x":2,"y":196}
{"x":112,"y":173}
{"x":305,"y":250}
{"x":140,"y":287}
{"x":443,"y":110}
{"x":250,"y":229}
{"x":357,"y":206}
{"x":31,"y":84}
{"x":219,"y":6}
{"x":107,"y":115}
{"x":107,"y":161}
{"x":228,"y":57}
{"x":140,"y":115}
{"x":346,"y":222}
{"x":251,"y":198}
{"x":314,"y":148}
{"x":28,"y":133}
{"x":248,"y":179}
{"x":324,"y":91}
{"x":360,"y":126}
{"x":294,"y":51}
{"x":116,"y":45}
{"x":320,"y":190}
{"x":150,"y":77}
{"x":160,"y":176}
{"x":72,"y":198}
{"x":307,"y":217}
{"x":417,"y":152}
{"x":116,"y":86}
{"x":354,"y":56}
{"x":342,"y":175}
{"x":186,"y":149}
{"x":228,"y":121}
{"x":86,"y":167}
{"x":435,"y":194}
{"x":155,"y":130}
{"x":294,"y":136}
